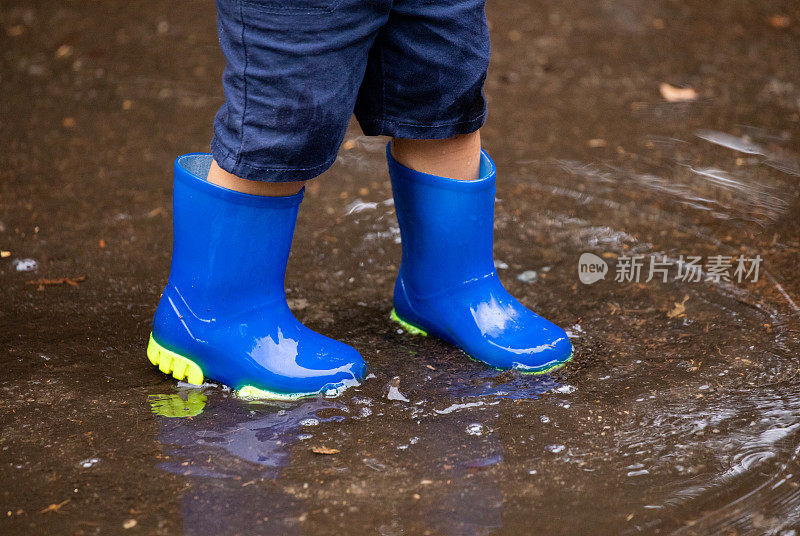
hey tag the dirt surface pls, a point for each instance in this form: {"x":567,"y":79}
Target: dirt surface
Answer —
{"x":680,"y":413}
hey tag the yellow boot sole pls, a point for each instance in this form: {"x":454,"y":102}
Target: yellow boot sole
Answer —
{"x":182,"y":368}
{"x":169,"y":362}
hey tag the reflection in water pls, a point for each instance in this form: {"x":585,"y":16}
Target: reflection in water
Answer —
{"x":233,"y":453}
{"x":262,"y":434}
{"x":187,"y":403}
{"x":225,"y":446}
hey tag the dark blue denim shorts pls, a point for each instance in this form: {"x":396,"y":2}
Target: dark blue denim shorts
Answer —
{"x":297,"y":69}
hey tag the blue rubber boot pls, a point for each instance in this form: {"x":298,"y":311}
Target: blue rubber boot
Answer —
{"x":223,"y":314}
{"x":448,"y":285}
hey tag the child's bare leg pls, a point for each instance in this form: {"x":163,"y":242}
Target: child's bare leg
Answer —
{"x":455,"y":158}
{"x":220,"y":177}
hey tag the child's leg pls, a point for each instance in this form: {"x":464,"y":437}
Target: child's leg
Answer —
{"x":456,"y":158}
{"x":424,"y":89}
{"x":448,"y":285}
{"x":220,"y":177}
{"x":293,"y":70}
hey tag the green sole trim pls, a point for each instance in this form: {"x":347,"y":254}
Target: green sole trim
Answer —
{"x":545,"y":370}
{"x":168,"y":362}
{"x":410,"y":328}
{"x":414,"y":330}
{"x":248,"y":392}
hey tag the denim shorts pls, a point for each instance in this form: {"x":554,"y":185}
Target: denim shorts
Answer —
{"x":297,"y":69}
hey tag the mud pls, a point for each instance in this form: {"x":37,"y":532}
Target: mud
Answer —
{"x":680,"y":413}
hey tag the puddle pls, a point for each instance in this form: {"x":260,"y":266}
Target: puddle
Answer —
{"x":679,"y":413}
{"x":661,"y":398}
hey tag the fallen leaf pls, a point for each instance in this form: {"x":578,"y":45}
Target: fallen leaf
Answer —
{"x":64,"y":51}
{"x":677,"y":94}
{"x":53,"y":507}
{"x":679,"y":309}
{"x":41,"y":283}
{"x":323,"y":450}
{"x":780,"y":21}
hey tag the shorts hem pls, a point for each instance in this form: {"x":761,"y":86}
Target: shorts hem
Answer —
{"x":230,"y":163}
{"x":397,"y":128}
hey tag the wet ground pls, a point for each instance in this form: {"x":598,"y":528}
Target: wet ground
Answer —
{"x":680,"y":413}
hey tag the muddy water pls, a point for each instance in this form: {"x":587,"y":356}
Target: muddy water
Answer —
{"x":680,"y":413}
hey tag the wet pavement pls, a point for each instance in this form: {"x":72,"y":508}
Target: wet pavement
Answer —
{"x":680,"y":413}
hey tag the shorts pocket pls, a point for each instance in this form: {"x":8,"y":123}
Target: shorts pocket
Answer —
{"x":293,"y":7}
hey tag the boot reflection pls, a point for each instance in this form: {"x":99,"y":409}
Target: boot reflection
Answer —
{"x":231,"y":453}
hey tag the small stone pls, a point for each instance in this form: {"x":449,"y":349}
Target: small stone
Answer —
{"x":297,"y":304}
{"x":677,"y":94}
{"x":475,"y":429}
{"x":129,"y":524}
{"x":25,"y":265}
{"x":528,"y":276}
{"x":595,"y":143}
{"x":393,"y":392}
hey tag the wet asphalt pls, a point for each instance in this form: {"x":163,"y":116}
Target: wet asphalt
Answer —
{"x":680,"y":413}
